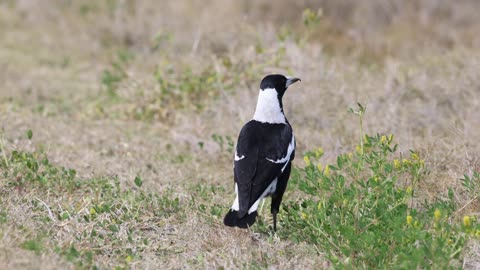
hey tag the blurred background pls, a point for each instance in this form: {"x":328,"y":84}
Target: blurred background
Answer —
{"x":162,"y":88}
{"x":194,"y":68}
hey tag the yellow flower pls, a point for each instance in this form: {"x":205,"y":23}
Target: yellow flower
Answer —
{"x":350,"y":155}
{"x":307,"y":160}
{"x":409,"y":190}
{"x":128,"y":259}
{"x":396,"y":164}
{"x":414,"y":156}
{"x":210,"y":79}
{"x":303,"y":215}
{"x":467,"y":221}
{"x":409,"y":220}
{"x":319,"y":206}
{"x":383,"y":139}
{"x":319,"y":167}
{"x":319,"y":152}
{"x":406,"y":161}
{"x":437,"y":215}
{"x":327,"y":171}
{"x":422,"y":163}
{"x":375,"y":179}
{"x":92,"y":211}
{"x":358,"y":149}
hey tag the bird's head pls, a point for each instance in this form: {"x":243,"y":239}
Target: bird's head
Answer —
{"x":278,"y":82}
{"x":269,"y":105}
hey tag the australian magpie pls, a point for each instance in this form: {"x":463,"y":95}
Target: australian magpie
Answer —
{"x":264,"y":153}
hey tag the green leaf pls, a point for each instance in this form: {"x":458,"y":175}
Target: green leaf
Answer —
{"x":339,"y":162}
{"x":113,"y":228}
{"x":138,"y":181}
{"x":29,"y":134}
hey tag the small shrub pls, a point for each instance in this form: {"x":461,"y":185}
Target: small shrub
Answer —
{"x":361,"y":211}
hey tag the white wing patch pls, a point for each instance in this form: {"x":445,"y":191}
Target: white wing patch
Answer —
{"x":237,"y":158}
{"x":268,"y":191}
{"x":236,"y":204}
{"x":286,"y":158}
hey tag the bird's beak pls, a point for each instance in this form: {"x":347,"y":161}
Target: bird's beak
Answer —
{"x":291,"y":80}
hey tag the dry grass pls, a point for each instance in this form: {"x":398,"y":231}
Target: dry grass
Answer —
{"x":415,"y":65}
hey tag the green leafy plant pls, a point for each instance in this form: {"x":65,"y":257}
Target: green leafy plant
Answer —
{"x":224,"y":142}
{"x":187,"y":87}
{"x":311,"y":20}
{"x":360,"y":211}
{"x":113,"y":76}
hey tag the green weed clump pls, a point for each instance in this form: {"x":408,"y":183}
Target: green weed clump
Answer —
{"x":113,"y":76}
{"x":175,"y":84}
{"x":363,"y":212}
{"x":188,"y":88}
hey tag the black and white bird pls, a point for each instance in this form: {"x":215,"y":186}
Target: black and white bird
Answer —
{"x":264,"y":153}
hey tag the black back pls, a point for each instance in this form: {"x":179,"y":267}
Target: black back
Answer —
{"x":254,"y":173}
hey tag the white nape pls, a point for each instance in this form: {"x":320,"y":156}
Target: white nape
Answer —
{"x":237,"y":158}
{"x":268,"y":191}
{"x":286,"y":158}
{"x":268,"y":108}
{"x":236,"y":204}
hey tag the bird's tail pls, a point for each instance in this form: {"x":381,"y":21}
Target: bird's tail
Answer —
{"x":232,"y":220}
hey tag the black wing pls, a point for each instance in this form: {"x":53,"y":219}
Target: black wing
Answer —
{"x":261,"y":155}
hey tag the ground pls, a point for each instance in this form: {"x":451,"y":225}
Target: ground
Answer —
{"x":125,"y":90}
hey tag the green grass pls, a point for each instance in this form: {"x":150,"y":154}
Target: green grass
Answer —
{"x":109,"y":220}
{"x":363,"y":211}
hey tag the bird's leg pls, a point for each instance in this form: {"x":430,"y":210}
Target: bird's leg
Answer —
{"x":276,"y":200}
{"x":277,"y":196}
{"x":274,"y":213}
